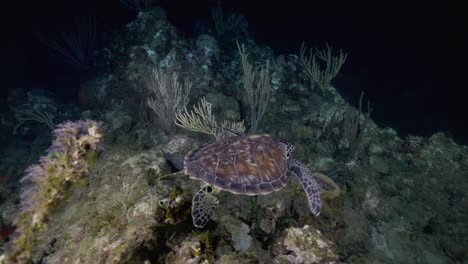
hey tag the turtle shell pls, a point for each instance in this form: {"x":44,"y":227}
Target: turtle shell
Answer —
{"x":248,"y":164}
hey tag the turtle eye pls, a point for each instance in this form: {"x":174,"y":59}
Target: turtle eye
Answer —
{"x":209,"y":189}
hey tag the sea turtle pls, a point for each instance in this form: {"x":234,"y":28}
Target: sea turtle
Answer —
{"x":248,"y":165}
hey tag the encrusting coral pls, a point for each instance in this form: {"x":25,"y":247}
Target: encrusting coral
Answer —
{"x":304,"y":245}
{"x":67,"y":162}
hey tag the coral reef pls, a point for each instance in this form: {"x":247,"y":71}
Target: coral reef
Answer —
{"x":304,"y":245}
{"x":389,"y":199}
{"x":73,"y":150}
{"x":239,"y":231}
{"x":194,"y":248}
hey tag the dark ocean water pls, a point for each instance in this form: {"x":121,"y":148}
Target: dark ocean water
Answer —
{"x":407,"y":58}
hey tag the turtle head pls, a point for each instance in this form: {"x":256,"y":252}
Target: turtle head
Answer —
{"x":287,"y":147}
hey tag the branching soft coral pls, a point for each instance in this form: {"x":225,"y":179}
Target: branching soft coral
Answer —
{"x":46,"y":184}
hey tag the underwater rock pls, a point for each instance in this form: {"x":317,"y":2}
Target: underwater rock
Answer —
{"x":194,"y":247}
{"x":442,"y":152}
{"x":390,"y":245}
{"x":376,"y":149}
{"x":453,"y":249}
{"x":179,"y":143}
{"x":372,"y":201}
{"x":151,"y":25}
{"x":187,"y":251}
{"x":208,"y":47}
{"x":144,"y":160}
{"x":304,"y":245}
{"x":121,"y":120}
{"x":223,"y":104}
{"x":322,"y":163}
{"x":379,"y":164}
{"x":357,"y":239}
{"x":93,"y":93}
{"x":239,"y":232}
{"x":239,"y":258}
{"x":327,"y":148}
{"x":272,"y":214}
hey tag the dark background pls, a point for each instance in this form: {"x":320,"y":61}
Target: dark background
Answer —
{"x":409,"y":58}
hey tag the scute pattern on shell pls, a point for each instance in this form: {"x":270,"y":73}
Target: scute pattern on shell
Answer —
{"x":251,"y":164}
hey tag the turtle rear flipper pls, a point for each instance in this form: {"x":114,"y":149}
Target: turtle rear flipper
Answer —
{"x":203,"y":206}
{"x":310,"y":185}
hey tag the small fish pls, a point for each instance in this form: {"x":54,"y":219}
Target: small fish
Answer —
{"x":4,"y":179}
{"x":5,"y":231}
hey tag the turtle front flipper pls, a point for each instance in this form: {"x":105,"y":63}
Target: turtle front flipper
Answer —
{"x":310,"y":185}
{"x":203,"y":206}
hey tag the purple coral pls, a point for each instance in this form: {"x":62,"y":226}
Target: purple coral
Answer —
{"x":70,"y":138}
{"x":47,"y":182}
{"x":66,"y":134}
